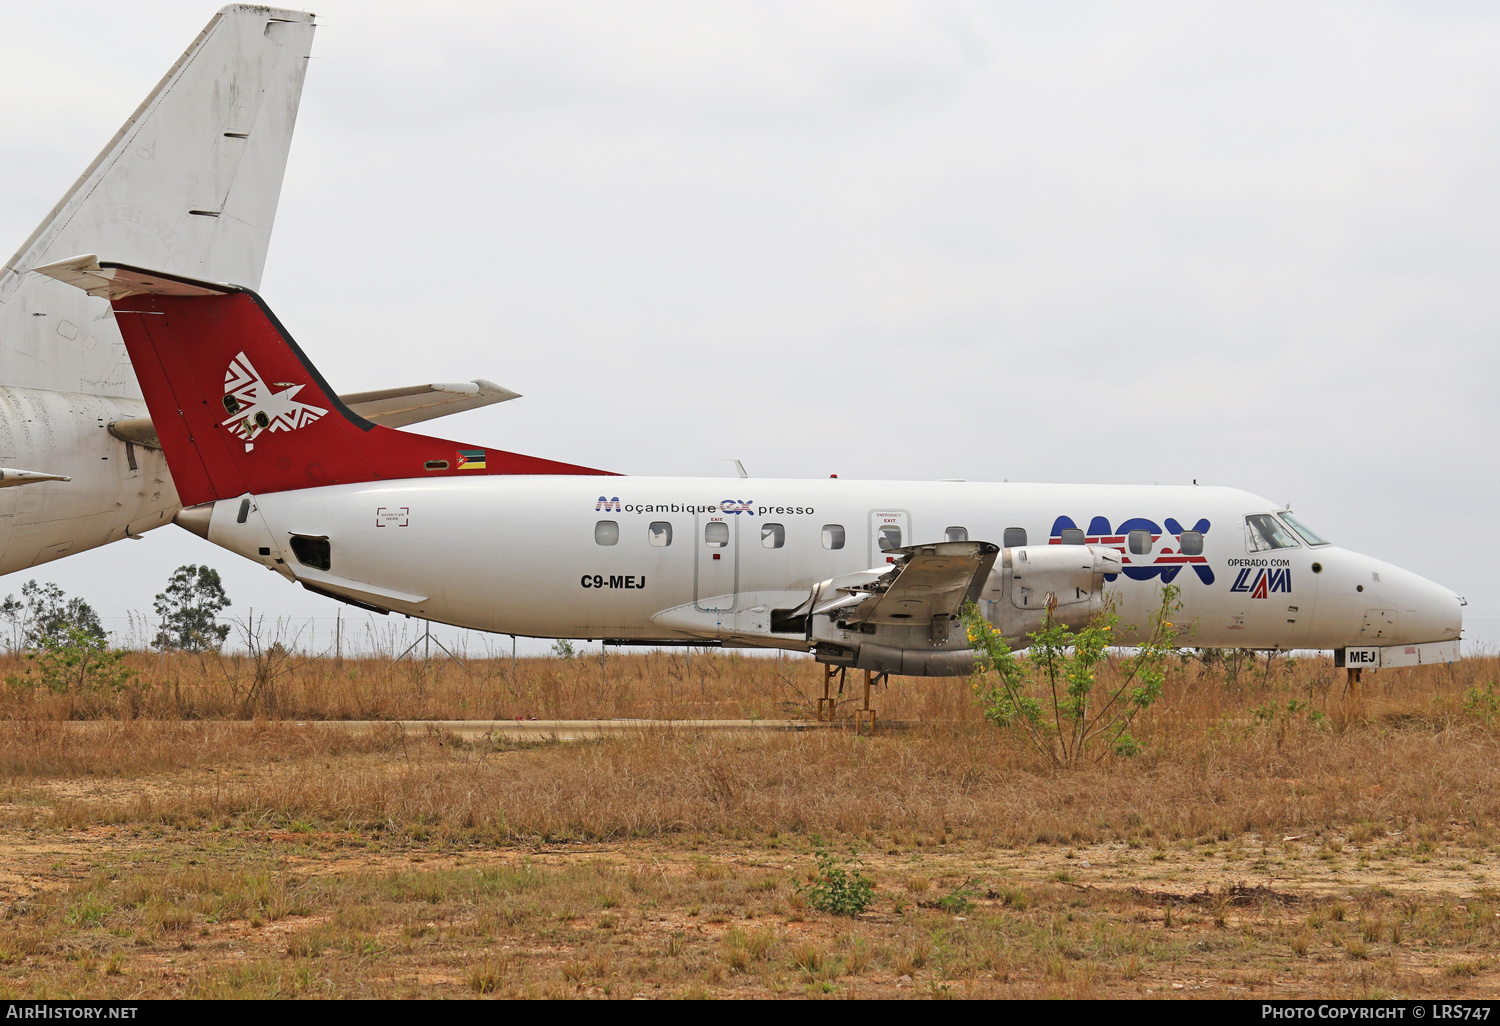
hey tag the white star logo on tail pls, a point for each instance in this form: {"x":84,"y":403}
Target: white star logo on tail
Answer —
{"x":253,"y":407}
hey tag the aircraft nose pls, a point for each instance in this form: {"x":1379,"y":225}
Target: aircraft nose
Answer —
{"x":1428,"y":611}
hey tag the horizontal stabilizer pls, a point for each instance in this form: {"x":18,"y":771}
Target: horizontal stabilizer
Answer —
{"x":9,"y":477}
{"x":398,"y":407}
{"x":115,"y":282}
{"x":392,"y":407}
{"x":137,"y":431}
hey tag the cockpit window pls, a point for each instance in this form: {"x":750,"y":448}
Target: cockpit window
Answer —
{"x":1308,"y":534}
{"x":1263,"y":531}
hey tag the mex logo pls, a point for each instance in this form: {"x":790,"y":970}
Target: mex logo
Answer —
{"x":1263,"y":583}
{"x":1165,"y":562}
{"x":608,"y":505}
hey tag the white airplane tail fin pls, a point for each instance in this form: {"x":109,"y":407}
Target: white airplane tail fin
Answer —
{"x":189,"y":184}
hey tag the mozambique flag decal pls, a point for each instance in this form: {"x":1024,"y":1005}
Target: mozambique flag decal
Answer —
{"x":471,"y":459}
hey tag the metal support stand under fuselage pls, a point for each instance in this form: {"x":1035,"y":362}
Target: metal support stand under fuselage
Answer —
{"x":827,"y":703}
{"x":864,"y":717}
{"x":427,"y":641}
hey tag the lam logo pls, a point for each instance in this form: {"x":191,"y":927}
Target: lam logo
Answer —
{"x":254,"y":406}
{"x":1263,"y":583}
{"x":608,"y":505}
{"x":1164,"y":561}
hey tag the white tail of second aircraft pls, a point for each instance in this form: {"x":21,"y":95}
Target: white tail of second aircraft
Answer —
{"x":188,"y":185}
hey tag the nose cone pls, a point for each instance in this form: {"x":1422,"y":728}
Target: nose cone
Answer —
{"x":1425,"y":611}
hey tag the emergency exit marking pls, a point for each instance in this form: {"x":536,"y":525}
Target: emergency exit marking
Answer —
{"x":394,"y":516}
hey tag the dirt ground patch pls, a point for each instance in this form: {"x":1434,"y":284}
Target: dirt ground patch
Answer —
{"x":164,"y":911}
{"x":1266,"y":841}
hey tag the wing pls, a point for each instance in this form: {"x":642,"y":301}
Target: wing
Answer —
{"x":398,"y":407}
{"x":928,"y":582}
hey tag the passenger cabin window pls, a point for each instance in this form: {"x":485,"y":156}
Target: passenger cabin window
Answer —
{"x":313,"y":552}
{"x":1310,"y":536}
{"x":1072,"y":536}
{"x":833,"y":536}
{"x":772,"y":536}
{"x":958,"y":534}
{"x":660,"y":534}
{"x":716,"y":534}
{"x":1140,"y":542}
{"x":1192,"y":543}
{"x":1015,"y":537}
{"x":1263,"y":531}
{"x":606,"y":532}
{"x":890,"y":537}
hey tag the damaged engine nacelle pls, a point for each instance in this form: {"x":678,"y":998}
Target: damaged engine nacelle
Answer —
{"x":1031,"y":578}
{"x":857,"y":620}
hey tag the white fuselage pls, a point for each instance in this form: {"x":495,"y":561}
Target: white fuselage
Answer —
{"x":114,"y":490}
{"x":537,"y":555}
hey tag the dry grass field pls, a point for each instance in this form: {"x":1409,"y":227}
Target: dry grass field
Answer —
{"x":1277,"y":837}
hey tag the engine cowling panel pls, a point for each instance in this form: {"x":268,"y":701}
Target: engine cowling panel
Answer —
{"x":1031,"y":578}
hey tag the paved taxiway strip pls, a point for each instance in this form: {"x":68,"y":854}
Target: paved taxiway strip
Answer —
{"x":572,"y":730}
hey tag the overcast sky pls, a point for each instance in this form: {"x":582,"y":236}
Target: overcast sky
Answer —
{"x":1254,"y":244}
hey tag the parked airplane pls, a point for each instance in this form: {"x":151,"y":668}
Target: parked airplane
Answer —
{"x":189,"y":184}
{"x":271,"y":464}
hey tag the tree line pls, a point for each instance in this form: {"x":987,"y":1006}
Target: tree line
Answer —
{"x":43,"y":615}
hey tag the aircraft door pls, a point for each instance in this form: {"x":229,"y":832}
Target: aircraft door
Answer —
{"x":889,"y":529}
{"x":716,"y":561}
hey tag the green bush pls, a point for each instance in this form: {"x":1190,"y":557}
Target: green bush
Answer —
{"x":74,"y":662}
{"x":1481,"y":701}
{"x":960,"y":899}
{"x":1054,"y":697}
{"x":836,"y":889}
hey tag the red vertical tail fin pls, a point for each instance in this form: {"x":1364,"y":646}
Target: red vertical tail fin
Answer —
{"x":239,"y":408}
